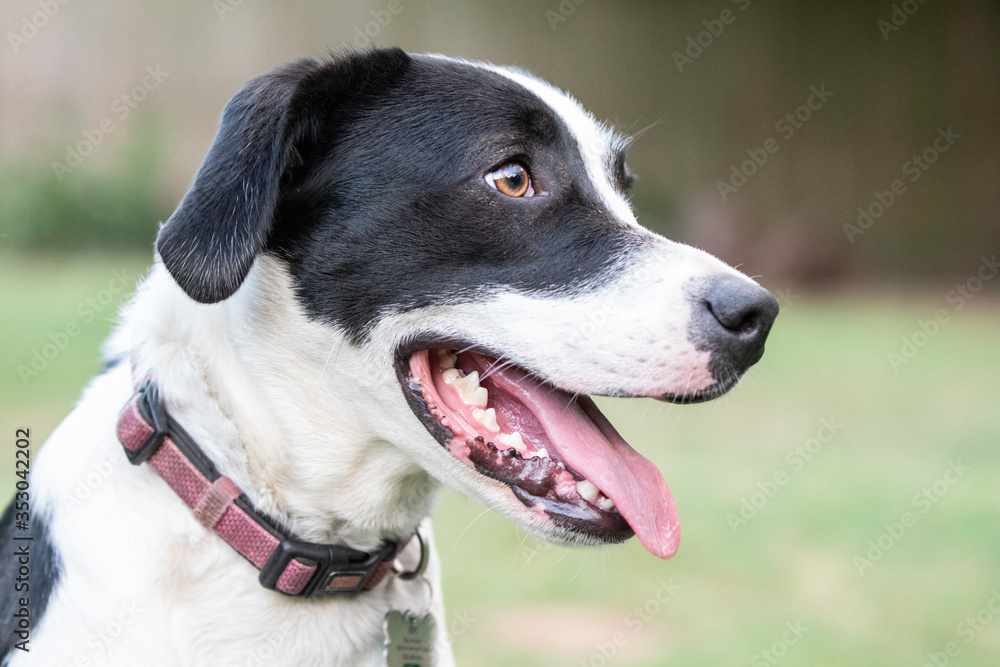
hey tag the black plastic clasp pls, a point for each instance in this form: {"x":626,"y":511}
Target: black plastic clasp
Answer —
{"x":340,"y":570}
{"x":151,"y":410}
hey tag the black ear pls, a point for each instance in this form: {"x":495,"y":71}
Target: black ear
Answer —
{"x":210,"y":242}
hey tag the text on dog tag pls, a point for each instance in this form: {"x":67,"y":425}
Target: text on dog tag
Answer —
{"x":409,"y":639}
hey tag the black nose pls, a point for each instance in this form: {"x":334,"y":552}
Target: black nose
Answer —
{"x":734,"y":318}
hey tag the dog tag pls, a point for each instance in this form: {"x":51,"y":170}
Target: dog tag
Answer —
{"x":409,"y":639}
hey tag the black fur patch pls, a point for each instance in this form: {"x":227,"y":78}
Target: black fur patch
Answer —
{"x":394,"y":212}
{"x":365,"y":174}
{"x":44,"y":574}
{"x":224,"y":220}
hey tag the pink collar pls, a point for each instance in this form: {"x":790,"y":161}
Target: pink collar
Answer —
{"x":286,"y":565}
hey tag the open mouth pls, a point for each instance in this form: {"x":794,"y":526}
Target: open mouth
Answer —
{"x":559,"y":455}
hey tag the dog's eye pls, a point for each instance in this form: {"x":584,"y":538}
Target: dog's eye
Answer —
{"x":511,"y":179}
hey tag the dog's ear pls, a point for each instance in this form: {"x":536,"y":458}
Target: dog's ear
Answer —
{"x":223,"y":222}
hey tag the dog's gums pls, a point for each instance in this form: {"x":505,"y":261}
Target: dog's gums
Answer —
{"x":556,"y":451}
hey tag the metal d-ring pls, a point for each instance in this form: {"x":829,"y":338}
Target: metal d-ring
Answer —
{"x":410,"y":575}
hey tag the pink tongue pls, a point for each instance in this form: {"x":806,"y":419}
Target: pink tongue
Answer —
{"x":588,"y":443}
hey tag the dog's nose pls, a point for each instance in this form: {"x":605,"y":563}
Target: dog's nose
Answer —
{"x":735,"y":316}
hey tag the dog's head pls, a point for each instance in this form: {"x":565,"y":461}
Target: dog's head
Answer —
{"x":466,"y":226}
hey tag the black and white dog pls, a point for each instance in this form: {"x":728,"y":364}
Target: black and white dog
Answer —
{"x":392,"y":271}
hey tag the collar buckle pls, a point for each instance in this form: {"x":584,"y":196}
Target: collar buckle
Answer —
{"x":152,"y":411}
{"x":339,"y":570}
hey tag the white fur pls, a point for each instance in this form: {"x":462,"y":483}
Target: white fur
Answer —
{"x":317,"y":433}
{"x":133,"y":542}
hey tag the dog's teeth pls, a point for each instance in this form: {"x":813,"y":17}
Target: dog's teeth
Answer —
{"x":467,"y":387}
{"x":478,"y":397}
{"x":487,"y":418}
{"x":513,"y":440}
{"x":466,"y":384}
{"x":542,"y":453}
{"x":606,"y":504}
{"x":447,"y":359}
{"x":561,"y":465}
{"x":587,"y":489}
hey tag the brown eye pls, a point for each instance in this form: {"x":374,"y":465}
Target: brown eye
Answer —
{"x":511,"y":179}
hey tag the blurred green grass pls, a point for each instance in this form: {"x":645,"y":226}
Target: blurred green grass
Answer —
{"x":514,"y":600}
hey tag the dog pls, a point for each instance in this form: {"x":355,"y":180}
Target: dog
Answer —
{"x":391,"y":272}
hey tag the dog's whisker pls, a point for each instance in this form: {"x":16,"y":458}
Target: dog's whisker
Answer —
{"x":322,"y":371}
{"x":518,"y":551}
{"x":497,"y":365}
{"x":635,"y":136}
{"x":481,"y":514}
{"x":645,"y":410}
{"x":623,"y":558}
{"x":560,"y":559}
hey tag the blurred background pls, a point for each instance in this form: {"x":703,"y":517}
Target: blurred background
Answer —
{"x":840,"y":507}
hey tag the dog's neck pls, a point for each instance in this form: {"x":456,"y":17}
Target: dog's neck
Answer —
{"x":285,"y":407}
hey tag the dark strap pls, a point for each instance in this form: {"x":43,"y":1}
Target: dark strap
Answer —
{"x":286,"y":565}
